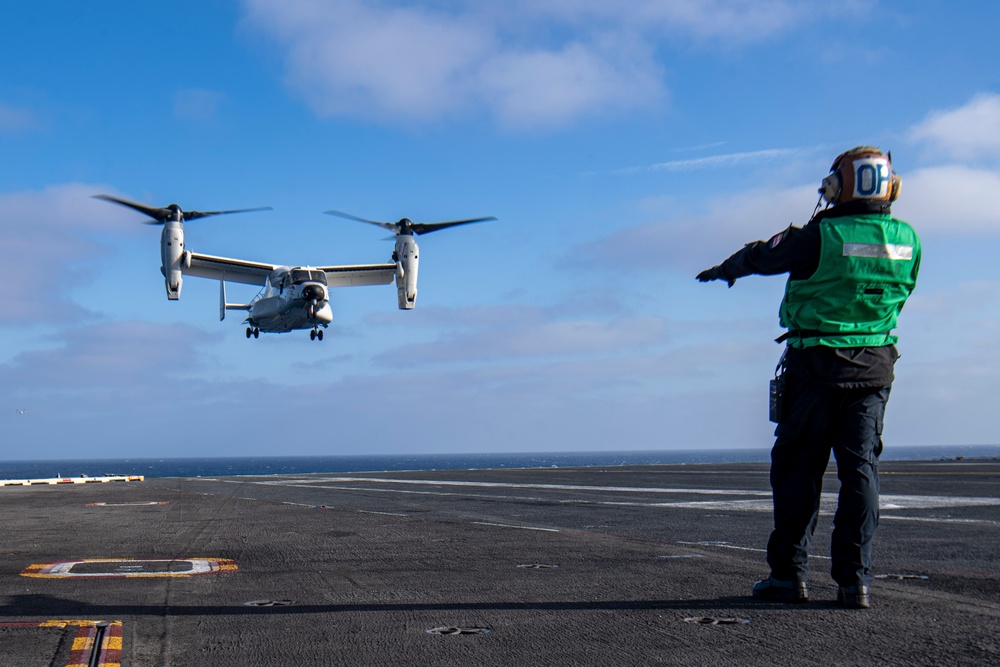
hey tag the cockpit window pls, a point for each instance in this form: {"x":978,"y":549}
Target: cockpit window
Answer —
{"x":299,"y":276}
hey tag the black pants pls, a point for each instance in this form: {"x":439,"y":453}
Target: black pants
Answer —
{"x":819,"y":419}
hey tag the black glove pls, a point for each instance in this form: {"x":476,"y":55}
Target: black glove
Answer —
{"x":715,"y":273}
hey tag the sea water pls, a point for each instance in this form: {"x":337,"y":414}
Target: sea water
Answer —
{"x":285,"y":465}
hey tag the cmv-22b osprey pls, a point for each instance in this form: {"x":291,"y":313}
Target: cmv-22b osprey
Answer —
{"x":293,"y":297}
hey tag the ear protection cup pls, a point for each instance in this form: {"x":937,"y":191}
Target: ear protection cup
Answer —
{"x":897,"y":185}
{"x":830,"y":187}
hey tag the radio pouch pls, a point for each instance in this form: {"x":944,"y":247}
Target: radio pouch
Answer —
{"x":777,"y":392}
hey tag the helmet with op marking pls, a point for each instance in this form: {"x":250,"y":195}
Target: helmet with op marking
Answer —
{"x":863,"y":173}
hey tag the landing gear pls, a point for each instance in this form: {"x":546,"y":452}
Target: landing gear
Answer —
{"x":253,"y":331}
{"x":316,"y":334}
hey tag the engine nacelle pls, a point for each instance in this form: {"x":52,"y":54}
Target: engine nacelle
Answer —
{"x":407,"y":264}
{"x":172,"y":256}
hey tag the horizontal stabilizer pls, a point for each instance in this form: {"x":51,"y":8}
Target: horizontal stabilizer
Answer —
{"x":223,"y":306}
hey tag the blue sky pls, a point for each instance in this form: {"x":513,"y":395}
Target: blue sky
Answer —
{"x":622,"y":148}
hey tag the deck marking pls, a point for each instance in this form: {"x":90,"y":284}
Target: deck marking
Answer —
{"x":682,"y":556}
{"x":102,"y":479}
{"x":86,"y":651}
{"x":506,"y":485}
{"x":135,"y":504}
{"x":932,"y":519}
{"x":736,"y":547}
{"x":508,"y":525}
{"x":129,"y":568}
{"x":83,"y":652}
{"x":753,"y":500}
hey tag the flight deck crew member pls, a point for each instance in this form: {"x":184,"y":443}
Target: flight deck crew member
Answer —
{"x":851,"y":269}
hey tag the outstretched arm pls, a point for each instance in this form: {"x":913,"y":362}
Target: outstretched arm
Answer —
{"x":794,"y":250}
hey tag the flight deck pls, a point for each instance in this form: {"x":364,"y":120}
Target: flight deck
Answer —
{"x":639,"y":565}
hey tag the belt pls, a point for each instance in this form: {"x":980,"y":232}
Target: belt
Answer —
{"x":814,"y":333}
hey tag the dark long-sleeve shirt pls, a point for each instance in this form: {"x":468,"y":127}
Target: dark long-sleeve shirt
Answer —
{"x":796,"y":251}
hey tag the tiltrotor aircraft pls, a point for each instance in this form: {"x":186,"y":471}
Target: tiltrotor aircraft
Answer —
{"x":293,"y":297}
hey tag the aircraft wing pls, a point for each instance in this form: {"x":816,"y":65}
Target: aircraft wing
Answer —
{"x":361,"y":274}
{"x":226,"y":269}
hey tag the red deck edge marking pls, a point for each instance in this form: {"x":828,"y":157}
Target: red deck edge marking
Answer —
{"x":109,"y":652}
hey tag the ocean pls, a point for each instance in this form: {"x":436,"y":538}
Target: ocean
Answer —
{"x":286,"y":465}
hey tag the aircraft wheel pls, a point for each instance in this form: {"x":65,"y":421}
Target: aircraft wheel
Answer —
{"x":249,"y":332}
{"x":256,"y":332}
{"x":319,"y":334}
{"x":312,"y":335}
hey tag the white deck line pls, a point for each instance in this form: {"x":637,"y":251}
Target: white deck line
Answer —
{"x":752,"y":500}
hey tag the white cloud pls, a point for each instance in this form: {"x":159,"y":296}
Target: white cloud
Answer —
{"x":698,"y":241}
{"x":348,"y":58}
{"x":15,"y":119}
{"x":508,"y":333}
{"x":122,"y":383}
{"x":544,"y":87}
{"x":532,"y":63}
{"x":133,"y":376}
{"x":728,"y":21}
{"x":46,"y":243}
{"x":115,"y":357}
{"x":952,"y":199}
{"x":972,"y":131}
{"x":725,"y":160}
{"x":954,"y":194}
{"x":741,"y":20}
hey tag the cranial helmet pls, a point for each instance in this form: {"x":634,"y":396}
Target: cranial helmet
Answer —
{"x":863,"y":173}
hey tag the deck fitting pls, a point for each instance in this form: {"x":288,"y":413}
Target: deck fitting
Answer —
{"x":716,"y":620}
{"x":446,"y":630}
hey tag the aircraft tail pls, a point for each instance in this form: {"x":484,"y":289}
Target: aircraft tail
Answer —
{"x":223,"y":306}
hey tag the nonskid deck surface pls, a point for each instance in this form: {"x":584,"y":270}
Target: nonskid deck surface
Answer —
{"x":577,"y":566}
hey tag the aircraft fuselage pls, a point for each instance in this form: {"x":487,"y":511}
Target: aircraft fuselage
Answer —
{"x":292,"y":298}
{"x":281,"y":314}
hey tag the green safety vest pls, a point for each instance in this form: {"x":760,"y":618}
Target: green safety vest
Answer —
{"x":867,"y":268}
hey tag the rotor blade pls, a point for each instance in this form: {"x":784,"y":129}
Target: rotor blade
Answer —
{"x":341,"y":214}
{"x":391,"y":226}
{"x":428,"y":227}
{"x":194,"y":215}
{"x":158,"y":214}
{"x":161,"y":215}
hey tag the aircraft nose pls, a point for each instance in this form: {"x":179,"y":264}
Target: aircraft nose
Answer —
{"x":314,"y":292}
